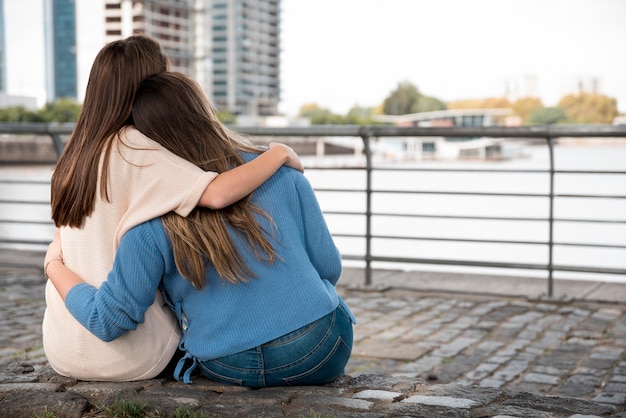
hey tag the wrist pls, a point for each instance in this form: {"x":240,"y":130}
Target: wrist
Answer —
{"x":46,"y":266}
{"x":280,"y":152}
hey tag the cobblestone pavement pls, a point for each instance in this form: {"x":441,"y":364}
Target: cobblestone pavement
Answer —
{"x":565,"y":348}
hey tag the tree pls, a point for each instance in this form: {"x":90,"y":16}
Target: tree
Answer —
{"x":358,"y":115}
{"x":488,"y":103}
{"x":402,"y":100}
{"x":429,"y":104}
{"x":62,"y":111}
{"x":524,"y":106}
{"x":227,"y":118}
{"x":14,"y":114}
{"x":406,"y":99}
{"x":589,"y":108}
{"x":543,"y":115}
{"x":320,"y":116}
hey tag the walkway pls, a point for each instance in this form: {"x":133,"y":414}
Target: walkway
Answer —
{"x":476,"y":331}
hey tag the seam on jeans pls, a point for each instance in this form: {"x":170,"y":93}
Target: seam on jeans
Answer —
{"x":261,"y":366}
{"x":206,"y":371}
{"x":305,"y":330}
{"x":305,"y":357}
{"x":319,"y":365}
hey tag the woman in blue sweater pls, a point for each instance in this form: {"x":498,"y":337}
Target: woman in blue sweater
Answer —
{"x":253,"y":285}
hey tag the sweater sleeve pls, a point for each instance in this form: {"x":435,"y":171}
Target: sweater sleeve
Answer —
{"x":121,"y":301}
{"x":320,"y":246}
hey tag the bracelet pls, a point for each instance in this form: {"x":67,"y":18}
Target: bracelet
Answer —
{"x":45,"y":268}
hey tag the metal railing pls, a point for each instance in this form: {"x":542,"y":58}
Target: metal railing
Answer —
{"x":368,"y":135}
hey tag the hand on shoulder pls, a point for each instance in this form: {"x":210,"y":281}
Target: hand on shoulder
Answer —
{"x":293,"y":160}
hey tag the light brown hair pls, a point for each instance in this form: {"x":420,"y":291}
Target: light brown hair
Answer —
{"x":171,"y":109}
{"x":116,"y":74}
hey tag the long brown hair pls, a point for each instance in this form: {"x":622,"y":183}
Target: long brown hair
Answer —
{"x":171,"y":109}
{"x":116,"y":74}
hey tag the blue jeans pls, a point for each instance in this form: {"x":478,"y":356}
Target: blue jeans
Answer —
{"x":312,"y":355}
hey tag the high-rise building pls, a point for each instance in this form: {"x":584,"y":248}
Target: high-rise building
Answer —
{"x":37,"y":51}
{"x":230,"y":47}
{"x":246,"y":55}
{"x":61,"y":49}
{"x":171,"y":22}
{"x":3,"y":51}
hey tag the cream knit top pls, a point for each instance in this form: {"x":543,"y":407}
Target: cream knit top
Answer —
{"x":145,"y":181}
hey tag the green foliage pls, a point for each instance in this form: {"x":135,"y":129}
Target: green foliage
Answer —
{"x":544,"y":115}
{"x":125,"y":409}
{"x":524,"y":106}
{"x":429,"y":104}
{"x":589,"y":108}
{"x":183,"y":412}
{"x":19,"y":114}
{"x":61,"y":111}
{"x":402,"y":100}
{"x":406,"y":99}
{"x":226,"y":118}
{"x":359,"y":115}
{"x":322,"y":116}
{"x":315,"y":414}
{"x":46,"y":414}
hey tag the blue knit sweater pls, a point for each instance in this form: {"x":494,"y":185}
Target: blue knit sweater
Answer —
{"x":223,"y":318}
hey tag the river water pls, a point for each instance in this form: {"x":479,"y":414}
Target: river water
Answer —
{"x":535,"y":157}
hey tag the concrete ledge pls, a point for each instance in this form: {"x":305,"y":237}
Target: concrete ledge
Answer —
{"x":25,"y":392}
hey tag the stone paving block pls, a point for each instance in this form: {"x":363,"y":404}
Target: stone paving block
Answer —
{"x":377,"y":394}
{"x":579,"y":385}
{"x":611,"y":398}
{"x":446,"y":401}
{"x":541,"y":378}
{"x":394,"y":332}
{"x":381,"y":348}
{"x":424,"y":364}
{"x":491,"y":383}
{"x":511,"y":371}
{"x":553,"y":338}
{"x":500,"y":359}
{"x":25,"y":405}
{"x":454,"y":347}
{"x":357,"y":404}
{"x":617,"y":387}
{"x":607,"y":353}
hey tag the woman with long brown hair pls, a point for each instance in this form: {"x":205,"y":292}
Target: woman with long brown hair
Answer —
{"x":253,"y":285}
{"x":111,"y":177}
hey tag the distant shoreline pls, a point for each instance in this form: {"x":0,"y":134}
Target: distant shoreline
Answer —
{"x":33,"y":149}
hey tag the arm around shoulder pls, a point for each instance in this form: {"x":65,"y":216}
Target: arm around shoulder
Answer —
{"x":233,"y":185}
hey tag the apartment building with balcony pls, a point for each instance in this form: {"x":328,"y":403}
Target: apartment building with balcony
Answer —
{"x":246,"y":56}
{"x":230,"y":47}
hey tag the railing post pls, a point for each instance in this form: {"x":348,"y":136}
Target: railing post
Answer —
{"x":366,"y":136}
{"x":58,"y":143}
{"x":551,"y":219}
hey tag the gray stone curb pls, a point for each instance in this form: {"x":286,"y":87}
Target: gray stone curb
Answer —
{"x":26,"y":393}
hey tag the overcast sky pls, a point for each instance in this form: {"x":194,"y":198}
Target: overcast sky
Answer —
{"x":338,"y":53}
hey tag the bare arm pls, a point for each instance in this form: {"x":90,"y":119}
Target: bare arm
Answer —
{"x":233,"y":185}
{"x":61,"y":277}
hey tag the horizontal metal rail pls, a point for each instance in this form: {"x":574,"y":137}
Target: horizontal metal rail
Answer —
{"x":368,"y":135}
